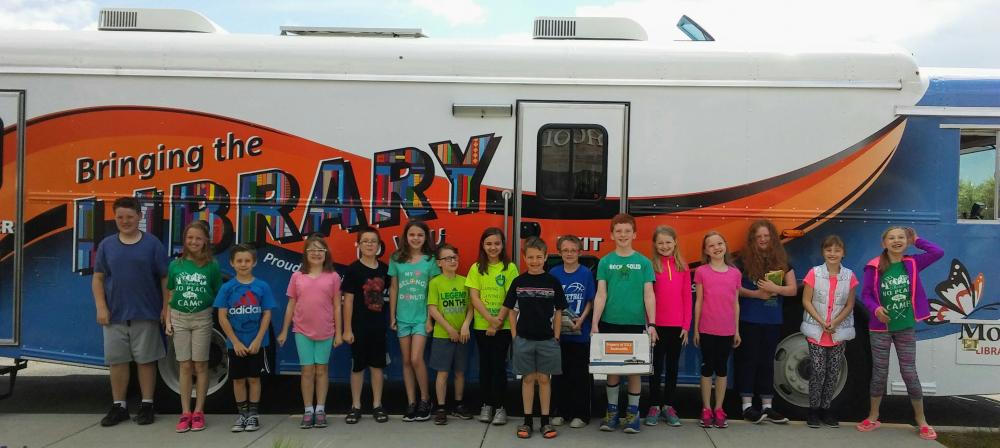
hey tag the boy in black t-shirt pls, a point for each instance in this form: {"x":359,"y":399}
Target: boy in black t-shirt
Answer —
{"x":365,"y":284}
{"x":536,"y":299}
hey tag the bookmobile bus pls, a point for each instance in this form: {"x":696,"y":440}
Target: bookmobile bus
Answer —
{"x":271,"y":138}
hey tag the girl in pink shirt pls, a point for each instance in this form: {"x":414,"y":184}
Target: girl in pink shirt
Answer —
{"x":828,"y":321}
{"x":716,"y":323}
{"x":672,"y":286}
{"x":314,"y":307}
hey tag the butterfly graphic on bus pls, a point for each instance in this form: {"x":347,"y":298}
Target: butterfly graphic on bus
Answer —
{"x":958,"y":297}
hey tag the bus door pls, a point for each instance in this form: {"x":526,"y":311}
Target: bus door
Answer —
{"x":11,"y":203}
{"x":571,"y":172}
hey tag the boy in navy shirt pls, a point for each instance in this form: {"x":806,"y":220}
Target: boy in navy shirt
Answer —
{"x":572,"y":389}
{"x":245,"y":305}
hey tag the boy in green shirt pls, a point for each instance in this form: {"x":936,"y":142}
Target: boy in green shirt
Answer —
{"x":448,"y":305}
{"x":624,"y":304}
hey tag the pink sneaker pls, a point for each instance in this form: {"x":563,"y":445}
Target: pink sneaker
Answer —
{"x":706,"y":418}
{"x":184,"y":424}
{"x":720,"y":419}
{"x":198,"y":421}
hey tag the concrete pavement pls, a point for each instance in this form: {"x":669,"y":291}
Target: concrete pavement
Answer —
{"x":83,"y":430}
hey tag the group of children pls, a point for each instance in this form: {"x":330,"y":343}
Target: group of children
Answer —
{"x":548,"y":317}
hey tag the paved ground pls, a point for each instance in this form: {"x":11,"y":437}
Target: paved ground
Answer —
{"x":82,"y":430}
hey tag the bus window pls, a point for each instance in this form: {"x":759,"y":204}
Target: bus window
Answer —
{"x":572,"y":162}
{"x":977,"y":175}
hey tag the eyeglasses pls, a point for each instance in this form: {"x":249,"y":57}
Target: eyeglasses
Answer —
{"x":449,"y":258}
{"x":316,"y":250}
{"x":368,"y":242}
{"x":570,"y":251}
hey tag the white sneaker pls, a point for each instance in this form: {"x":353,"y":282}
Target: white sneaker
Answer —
{"x":557,"y":421}
{"x":577,"y":423}
{"x":500,"y":417}
{"x":486,"y":413}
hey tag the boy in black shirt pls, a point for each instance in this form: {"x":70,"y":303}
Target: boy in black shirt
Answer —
{"x":365,"y":284}
{"x":536,"y":299}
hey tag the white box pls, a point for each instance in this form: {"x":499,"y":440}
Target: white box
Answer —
{"x":621,"y":354}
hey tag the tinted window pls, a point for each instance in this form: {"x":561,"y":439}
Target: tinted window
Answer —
{"x":572,"y":162}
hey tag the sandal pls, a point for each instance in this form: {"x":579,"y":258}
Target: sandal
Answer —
{"x":868,"y":425}
{"x":524,"y":432}
{"x":353,"y":416}
{"x":927,"y":433}
{"x":549,"y":432}
{"x":380,"y":415}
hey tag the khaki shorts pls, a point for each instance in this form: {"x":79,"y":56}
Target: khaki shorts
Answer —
{"x":137,"y":340}
{"x":192,"y":334}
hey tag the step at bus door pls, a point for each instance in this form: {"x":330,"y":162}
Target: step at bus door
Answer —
{"x":571,"y":171}
{"x":11,"y":205}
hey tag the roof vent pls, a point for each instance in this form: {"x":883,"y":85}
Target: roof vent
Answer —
{"x":350,"y":32}
{"x":141,"y":19}
{"x":583,"y":28}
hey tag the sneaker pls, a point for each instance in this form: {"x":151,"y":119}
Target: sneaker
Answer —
{"x":577,"y":423}
{"x":670,"y":416}
{"x":652,"y":416}
{"x":752,"y":415}
{"x":411,"y":413}
{"x":707,"y":418}
{"x":253,"y":423}
{"x":184,"y":424}
{"x":557,"y":421}
{"x":441,"y":416}
{"x":319,"y":419}
{"x":307,"y":420}
{"x":198,"y":421}
{"x":774,"y":416}
{"x":461,"y":412}
{"x":632,"y":420}
{"x":486,"y":413}
{"x":828,"y":418}
{"x":500,"y":417}
{"x":812,"y":418}
{"x":720,"y":419}
{"x":423,"y":411}
{"x":240,"y":424}
{"x":610,"y":421}
{"x":116,"y":415}
{"x":145,"y":414}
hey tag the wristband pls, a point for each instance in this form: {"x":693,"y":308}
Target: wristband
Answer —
{"x":651,"y":325}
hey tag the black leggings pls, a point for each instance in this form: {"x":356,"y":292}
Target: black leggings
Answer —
{"x":715,"y":355}
{"x":493,"y":365}
{"x":666,"y":351}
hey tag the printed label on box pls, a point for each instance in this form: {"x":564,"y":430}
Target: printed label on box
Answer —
{"x":618,"y":347}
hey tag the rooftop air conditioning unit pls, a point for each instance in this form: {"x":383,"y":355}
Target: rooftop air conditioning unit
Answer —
{"x":592,"y":28}
{"x":142,"y":19}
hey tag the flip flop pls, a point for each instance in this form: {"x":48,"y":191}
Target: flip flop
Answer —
{"x":868,"y":425}
{"x":927,"y":433}
{"x":524,"y":432}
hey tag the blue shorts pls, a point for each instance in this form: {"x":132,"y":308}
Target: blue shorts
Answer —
{"x":312,"y":351}
{"x":404,"y":329}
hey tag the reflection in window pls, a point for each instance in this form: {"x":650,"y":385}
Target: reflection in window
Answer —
{"x":977,"y":174}
{"x":572,"y":162}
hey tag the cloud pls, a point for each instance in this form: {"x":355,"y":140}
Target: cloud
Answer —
{"x":456,"y":12}
{"x":47,"y":14}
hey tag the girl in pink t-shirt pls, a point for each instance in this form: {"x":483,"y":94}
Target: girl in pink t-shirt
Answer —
{"x":672,"y":286}
{"x":716,"y":323}
{"x":828,"y":300}
{"x":314,"y":307}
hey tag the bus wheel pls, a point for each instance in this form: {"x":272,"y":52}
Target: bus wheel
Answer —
{"x":793,"y":369}
{"x":218,"y":365}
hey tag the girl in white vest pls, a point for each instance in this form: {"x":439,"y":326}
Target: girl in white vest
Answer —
{"x":828,"y":322}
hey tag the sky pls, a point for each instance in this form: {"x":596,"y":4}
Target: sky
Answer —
{"x":940,"y":33}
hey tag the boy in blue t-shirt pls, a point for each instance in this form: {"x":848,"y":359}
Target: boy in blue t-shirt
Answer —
{"x":572,"y":388}
{"x":245,"y":305}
